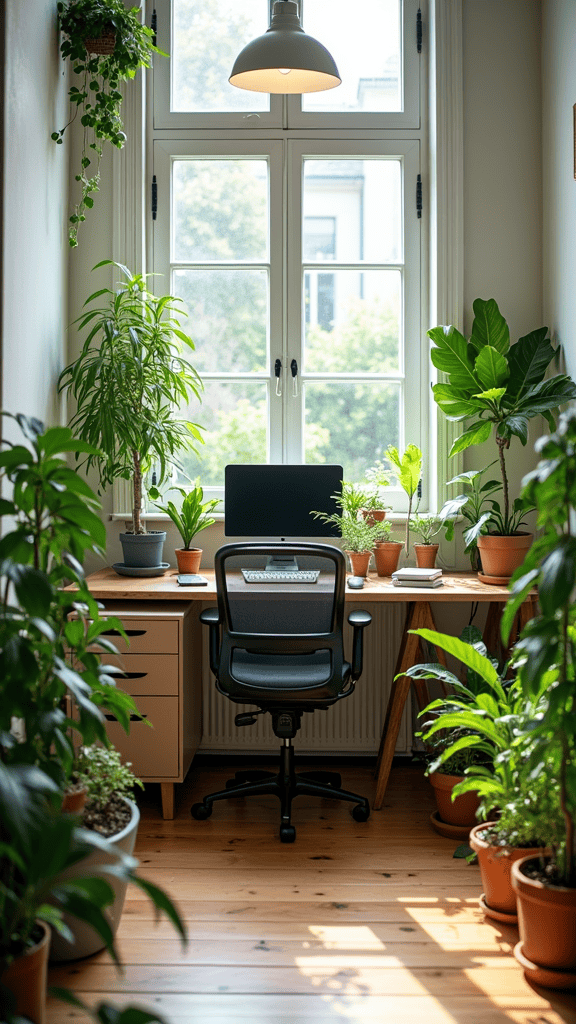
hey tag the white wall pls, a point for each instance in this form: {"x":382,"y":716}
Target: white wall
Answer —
{"x":35,"y":184}
{"x":558,"y":97}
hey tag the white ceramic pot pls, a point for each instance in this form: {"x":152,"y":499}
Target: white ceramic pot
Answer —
{"x":87,"y":941}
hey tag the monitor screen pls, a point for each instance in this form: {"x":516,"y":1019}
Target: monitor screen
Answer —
{"x":276,"y":501}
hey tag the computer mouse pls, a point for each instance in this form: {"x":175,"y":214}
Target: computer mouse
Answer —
{"x":356,"y":582}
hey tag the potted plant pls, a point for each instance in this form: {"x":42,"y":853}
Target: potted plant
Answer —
{"x":387,"y":551}
{"x":110,"y":812}
{"x":359,"y":535}
{"x":38,"y":845}
{"x":375,"y":508}
{"x":106,"y":43}
{"x":489,"y":719}
{"x":426,"y":527}
{"x":471,"y":505}
{"x":192,"y":517}
{"x":408,"y":469}
{"x":126,"y":388}
{"x":546,"y":887}
{"x":500,"y":387}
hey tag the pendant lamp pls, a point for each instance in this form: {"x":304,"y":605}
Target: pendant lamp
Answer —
{"x":285,"y":59}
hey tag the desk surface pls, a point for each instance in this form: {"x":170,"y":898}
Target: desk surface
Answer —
{"x":458,"y":586}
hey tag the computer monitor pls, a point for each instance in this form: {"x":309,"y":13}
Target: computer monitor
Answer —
{"x":274,"y":502}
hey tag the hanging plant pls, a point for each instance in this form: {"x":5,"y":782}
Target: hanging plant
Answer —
{"x":106,"y":43}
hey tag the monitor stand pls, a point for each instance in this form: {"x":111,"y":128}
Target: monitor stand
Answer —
{"x":285,"y":563}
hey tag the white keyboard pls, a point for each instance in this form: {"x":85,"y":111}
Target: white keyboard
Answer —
{"x":280,"y":575}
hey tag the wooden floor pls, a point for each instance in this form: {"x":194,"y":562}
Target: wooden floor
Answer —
{"x":370,"y":923}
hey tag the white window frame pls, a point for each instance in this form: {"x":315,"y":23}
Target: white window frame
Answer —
{"x":443,"y":208}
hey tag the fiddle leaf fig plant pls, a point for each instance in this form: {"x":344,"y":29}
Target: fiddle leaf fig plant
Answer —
{"x":496,"y":388}
{"x":408,"y":469}
{"x":99,"y":68}
{"x":127,"y":381}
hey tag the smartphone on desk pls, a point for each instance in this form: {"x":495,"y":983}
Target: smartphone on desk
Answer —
{"x":192,"y":580}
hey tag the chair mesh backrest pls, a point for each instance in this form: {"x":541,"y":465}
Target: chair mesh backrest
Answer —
{"x":281,"y":616}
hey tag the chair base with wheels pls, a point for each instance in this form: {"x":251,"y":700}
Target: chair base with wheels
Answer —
{"x":285,"y":784}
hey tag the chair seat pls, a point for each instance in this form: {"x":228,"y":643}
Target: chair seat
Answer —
{"x":286,"y":672}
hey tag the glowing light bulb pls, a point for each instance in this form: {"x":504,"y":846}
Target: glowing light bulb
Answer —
{"x":284,"y":71}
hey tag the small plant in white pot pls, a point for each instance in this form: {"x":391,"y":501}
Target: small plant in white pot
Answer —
{"x":192,"y":517}
{"x":126,"y":388}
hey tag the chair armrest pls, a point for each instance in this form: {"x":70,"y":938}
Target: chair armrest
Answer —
{"x":210,"y":617}
{"x":358,"y":619}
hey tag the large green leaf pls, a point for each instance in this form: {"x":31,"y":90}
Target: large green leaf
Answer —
{"x":451,"y":356}
{"x":528,"y":360}
{"x":456,"y":405}
{"x":557,"y":576}
{"x":546,"y":396}
{"x":489,"y":327}
{"x":476,"y":434}
{"x":466,"y":654}
{"x":491,"y":367}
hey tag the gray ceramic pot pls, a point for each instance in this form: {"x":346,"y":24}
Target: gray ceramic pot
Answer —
{"x":143,"y":550}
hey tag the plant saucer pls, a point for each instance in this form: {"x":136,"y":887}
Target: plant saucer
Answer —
{"x":449,"y":831}
{"x":136,"y":570}
{"x":548,"y":977}
{"x":496,"y":915}
{"x":496,"y":581}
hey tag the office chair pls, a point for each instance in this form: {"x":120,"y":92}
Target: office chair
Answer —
{"x":280,"y":647}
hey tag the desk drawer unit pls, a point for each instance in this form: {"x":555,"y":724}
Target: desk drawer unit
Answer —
{"x":162,"y":665}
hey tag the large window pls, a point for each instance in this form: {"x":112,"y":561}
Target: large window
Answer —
{"x":289,"y":227}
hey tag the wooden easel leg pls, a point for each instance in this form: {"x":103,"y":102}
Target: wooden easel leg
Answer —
{"x":416,"y":617}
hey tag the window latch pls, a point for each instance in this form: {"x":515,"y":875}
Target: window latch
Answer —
{"x":277,"y":374}
{"x":294,"y":372}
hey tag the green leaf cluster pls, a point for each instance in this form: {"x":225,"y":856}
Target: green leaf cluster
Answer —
{"x":358,"y":534}
{"x":497,"y":386}
{"x":129,"y":379}
{"x":104,"y":775}
{"x":193,"y":514}
{"x":97,"y":95}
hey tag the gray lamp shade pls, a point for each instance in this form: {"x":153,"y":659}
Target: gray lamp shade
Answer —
{"x":285,"y":59}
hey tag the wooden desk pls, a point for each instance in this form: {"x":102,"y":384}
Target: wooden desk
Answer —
{"x":460,"y":587}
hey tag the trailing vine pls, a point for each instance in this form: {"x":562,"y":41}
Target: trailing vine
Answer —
{"x":87,"y":26}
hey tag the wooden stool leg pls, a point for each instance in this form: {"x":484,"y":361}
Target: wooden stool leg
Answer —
{"x":407,"y":656}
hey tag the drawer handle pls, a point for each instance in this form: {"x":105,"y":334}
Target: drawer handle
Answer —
{"x":133,"y":718}
{"x":129,"y":632}
{"x":134,"y":675}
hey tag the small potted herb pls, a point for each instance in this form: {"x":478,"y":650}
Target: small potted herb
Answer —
{"x":387,"y":551}
{"x":375,"y":508}
{"x":426,"y":527}
{"x":192,"y":517}
{"x":106,"y":43}
{"x":127,"y":381}
{"x":359,"y":535}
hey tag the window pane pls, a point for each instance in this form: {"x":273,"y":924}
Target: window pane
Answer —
{"x":220,"y":210}
{"x":352,"y":321}
{"x":352,"y":210}
{"x":365,"y":43}
{"x":208,"y":36}
{"x":227,"y":317}
{"x":350,"y":424}
{"x":235,"y":420}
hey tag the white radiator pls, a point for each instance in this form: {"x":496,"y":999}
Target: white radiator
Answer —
{"x":354,"y":725}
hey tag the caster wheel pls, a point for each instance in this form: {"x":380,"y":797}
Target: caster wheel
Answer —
{"x":200,"y":812}
{"x":361,"y":812}
{"x":287,"y":833}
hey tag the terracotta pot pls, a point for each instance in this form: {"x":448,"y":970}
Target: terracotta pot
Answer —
{"x":359,"y":562}
{"x":386,"y":556}
{"x":495,"y":868}
{"x":426,"y":555}
{"x":546,"y":919}
{"x":461,"y":811}
{"x":73,"y":802}
{"x":188,"y":559}
{"x":376,"y":515}
{"x":501,"y":556}
{"x":26,"y":979}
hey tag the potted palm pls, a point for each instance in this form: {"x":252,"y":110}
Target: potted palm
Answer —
{"x":126,"y":388}
{"x":546,"y":887}
{"x":359,"y":535}
{"x":499,"y":387}
{"x":106,"y":43}
{"x":192,"y":517}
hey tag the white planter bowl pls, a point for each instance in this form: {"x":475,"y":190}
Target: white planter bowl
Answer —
{"x":87,"y":941}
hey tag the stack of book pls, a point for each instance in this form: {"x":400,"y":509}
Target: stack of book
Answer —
{"x":417,"y":578}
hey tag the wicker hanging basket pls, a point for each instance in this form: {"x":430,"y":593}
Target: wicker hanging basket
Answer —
{"x":102,"y":45}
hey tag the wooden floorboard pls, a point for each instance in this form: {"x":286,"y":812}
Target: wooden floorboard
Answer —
{"x":356,"y":923}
